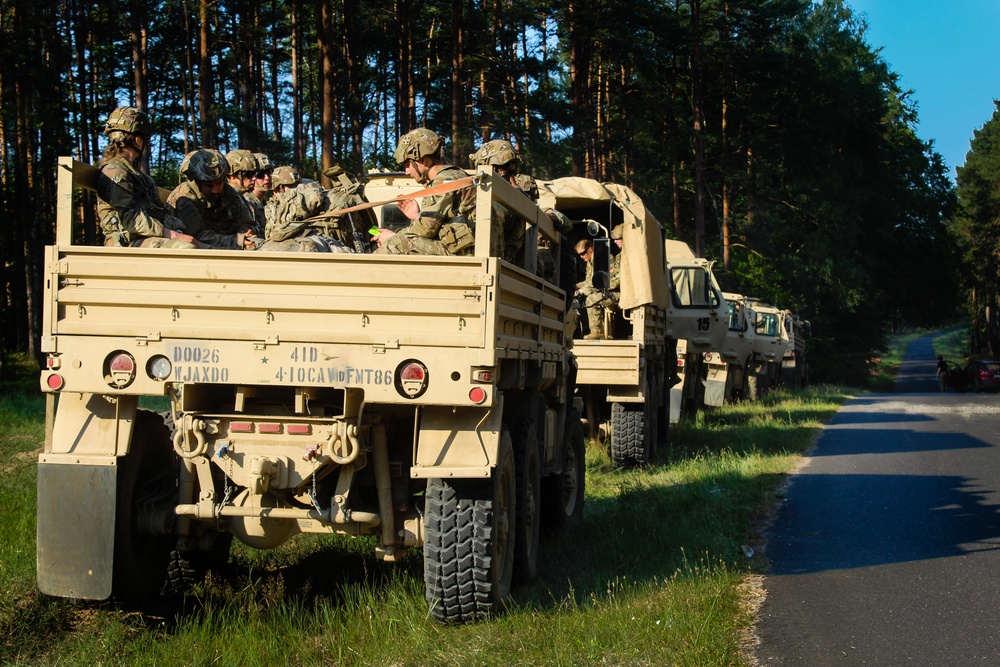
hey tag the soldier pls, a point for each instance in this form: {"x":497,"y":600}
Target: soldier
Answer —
{"x":597,"y":302}
{"x":262,"y":186}
{"x":284,"y":178}
{"x":211,"y":209}
{"x":128,"y":202}
{"x":243,"y":170}
{"x":441,"y":224}
{"x":505,"y":161}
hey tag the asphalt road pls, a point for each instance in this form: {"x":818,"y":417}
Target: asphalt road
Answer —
{"x":886,"y":550}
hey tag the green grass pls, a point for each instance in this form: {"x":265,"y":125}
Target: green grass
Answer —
{"x":659,"y":574}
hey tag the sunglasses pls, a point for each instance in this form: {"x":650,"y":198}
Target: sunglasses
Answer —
{"x":262,"y":173}
{"x":582,"y":253}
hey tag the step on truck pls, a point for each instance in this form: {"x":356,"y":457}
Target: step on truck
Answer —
{"x":728,"y":369}
{"x":624,"y":376}
{"x":421,"y":400}
{"x":694,"y":291}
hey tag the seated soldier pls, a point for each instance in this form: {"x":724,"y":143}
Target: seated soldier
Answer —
{"x":440,"y":224}
{"x":211,"y":209}
{"x":598,"y":302}
{"x":243,"y":170}
{"x":128,"y":202}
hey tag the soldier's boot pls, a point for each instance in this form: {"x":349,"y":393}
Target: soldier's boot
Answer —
{"x":595,"y":318}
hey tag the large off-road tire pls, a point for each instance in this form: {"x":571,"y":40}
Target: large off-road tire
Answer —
{"x":469,"y":532}
{"x":631,"y":436}
{"x":528,"y":466}
{"x":186,"y":568}
{"x":147,"y":480}
{"x":563,"y":493}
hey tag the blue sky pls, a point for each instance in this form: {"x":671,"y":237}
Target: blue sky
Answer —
{"x":948,"y":53}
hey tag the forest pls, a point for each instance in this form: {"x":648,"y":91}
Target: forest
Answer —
{"x":766,"y":133}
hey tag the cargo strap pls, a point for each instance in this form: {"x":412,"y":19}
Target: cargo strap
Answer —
{"x":450,"y":186}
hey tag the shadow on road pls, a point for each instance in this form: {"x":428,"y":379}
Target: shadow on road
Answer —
{"x":873,"y":520}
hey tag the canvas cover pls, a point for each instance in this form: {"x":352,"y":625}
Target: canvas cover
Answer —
{"x":643,"y":266}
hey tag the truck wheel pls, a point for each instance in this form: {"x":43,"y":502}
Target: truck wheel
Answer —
{"x":529,"y":500}
{"x":187,"y":568}
{"x":469,"y":538}
{"x":147,"y":478}
{"x":630,"y":434}
{"x":562,"y":494}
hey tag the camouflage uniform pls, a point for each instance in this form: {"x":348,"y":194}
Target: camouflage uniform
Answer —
{"x":128,"y":202}
{"x":439,"y":230}
{"x":597,"y":302}
{"x":256,"y":208}
{"x":287,"y":230}
{"x":221,"y":225}
{"x":130,"y":210}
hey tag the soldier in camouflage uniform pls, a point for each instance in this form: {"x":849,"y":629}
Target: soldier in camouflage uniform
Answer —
{"x":441,"y":224}
{"x":243,"y":170}
{"x":262,"y":186}
{"x":128,"y":202}
{"x":284,"y":178}
{"x":211,"y":209}
{"x":597,"y":302}
{"x":505,"y":161}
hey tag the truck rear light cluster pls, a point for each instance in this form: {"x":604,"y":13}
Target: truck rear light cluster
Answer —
{"x":119,"y":369}
{"x":159,"y":367}
{"x":411,"y":379}
{"x":270,"y":427}
{"x":484,"y":375}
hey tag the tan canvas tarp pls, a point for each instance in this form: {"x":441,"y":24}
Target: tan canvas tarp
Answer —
{"x":643,"y":268}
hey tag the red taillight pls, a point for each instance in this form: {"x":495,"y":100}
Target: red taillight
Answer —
{"x":477,"y":395}
{"x":411,"y":379}
{"x":412,"y":371}
{"x":55,"y":382}
{"x":241,"y":427}
{"x":299,"y":429}
{"x":269,"y":428}
{"x":119,"y":369}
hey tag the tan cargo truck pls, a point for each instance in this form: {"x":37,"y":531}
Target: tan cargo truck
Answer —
{"x":423,"y":400}
{"x":694,"y":292}
{"x":795,"y":363}
{"x":624,"y":377}
{"x":728,"y":369}
{"x":770,"y":345}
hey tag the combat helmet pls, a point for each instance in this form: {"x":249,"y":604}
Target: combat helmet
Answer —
{"x":416,"y":144}
{"x":264,"y":162}
{"x":127,"y":120}
{"x":496,"y":153}
{"x":204,"y":164}
{"x":285,"y":176}
{"x":241,"y":160}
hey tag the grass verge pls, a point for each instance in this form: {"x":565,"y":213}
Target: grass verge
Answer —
{"x":656,"y":576}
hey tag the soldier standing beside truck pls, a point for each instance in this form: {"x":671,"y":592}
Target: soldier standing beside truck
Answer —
{"x":212,"y":210}
{"x":440,"y":224}
{"x":128,"y":205}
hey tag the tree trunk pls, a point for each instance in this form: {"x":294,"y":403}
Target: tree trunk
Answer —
{"x":324,"y":33}
{"x":697,"y":101}
{"x":206,"y":90}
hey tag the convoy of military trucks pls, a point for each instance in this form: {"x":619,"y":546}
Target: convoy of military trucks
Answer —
{"x":433,"y":402}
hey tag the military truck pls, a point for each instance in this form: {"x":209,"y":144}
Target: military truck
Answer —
{"x":623,"y":377}
{"x":770,"y":345}
{"x":694,"y":286}
{"x":795,"y":363}
{"x":423,"y":400}
{"x":728,"y":369}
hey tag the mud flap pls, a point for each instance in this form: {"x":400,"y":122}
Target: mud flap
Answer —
{"x":715,"y":392}
{"x":76,"y":529}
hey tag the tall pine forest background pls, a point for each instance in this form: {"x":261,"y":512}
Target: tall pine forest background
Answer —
{"x":766,"y":133}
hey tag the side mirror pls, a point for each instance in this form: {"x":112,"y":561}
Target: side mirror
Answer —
{"x":594,"y":228}
{"x":602,"y":264}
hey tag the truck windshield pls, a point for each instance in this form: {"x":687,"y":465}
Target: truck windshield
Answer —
{"x":736,"y":316}
{"x":767,"y":325}
{"x":692,"y":288}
